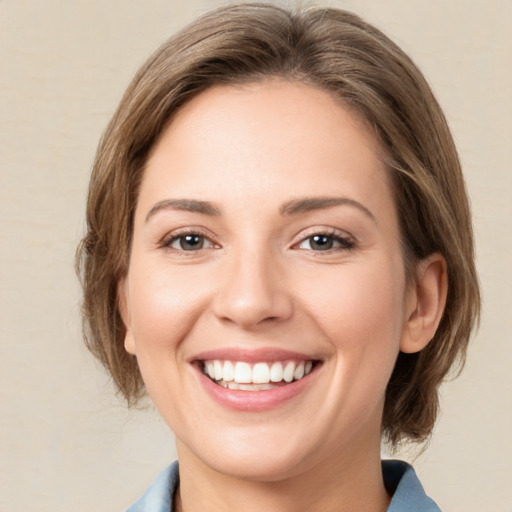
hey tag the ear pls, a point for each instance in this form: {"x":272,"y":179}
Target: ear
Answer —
{"x":124,"y":310}
{"x":425,"y":303}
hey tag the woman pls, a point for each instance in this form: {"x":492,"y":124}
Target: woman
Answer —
{"x":279,"y":250}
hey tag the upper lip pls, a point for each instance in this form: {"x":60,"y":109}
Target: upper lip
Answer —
{"x":252,"y":355}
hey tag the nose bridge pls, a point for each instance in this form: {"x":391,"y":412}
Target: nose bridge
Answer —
{"x":253,"y":288}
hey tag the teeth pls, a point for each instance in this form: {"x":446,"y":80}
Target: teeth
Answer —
{"x":298,"y":373}
{"x":209,"y":369}
{"x":288,"y":372}
{"x":260,"y":373}
{"x":229,"y":371}
{"x":249,"y":387}
{"x":259,"y":376}
{"x":276,"y":372}
{"x":243,"y":373}
{"x":217,"y":369}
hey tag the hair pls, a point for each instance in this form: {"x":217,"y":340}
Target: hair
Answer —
{"x":335,"y":51}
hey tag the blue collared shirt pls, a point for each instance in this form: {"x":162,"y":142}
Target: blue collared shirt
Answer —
{"x":399,"y":478}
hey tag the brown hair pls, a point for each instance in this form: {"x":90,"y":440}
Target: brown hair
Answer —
{"x":337,"y":52}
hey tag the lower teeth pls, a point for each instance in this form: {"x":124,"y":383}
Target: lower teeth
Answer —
{"x":245,"y":387}
{"x":249,"y":387}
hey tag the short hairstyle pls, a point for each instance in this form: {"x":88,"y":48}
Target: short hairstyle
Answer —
{"x":335,"y":51}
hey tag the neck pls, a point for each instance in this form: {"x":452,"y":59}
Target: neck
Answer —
{"x":348,"y":483}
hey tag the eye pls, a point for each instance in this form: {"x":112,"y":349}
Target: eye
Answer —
{"x":325,"y":242}
{"x":188,"y":242}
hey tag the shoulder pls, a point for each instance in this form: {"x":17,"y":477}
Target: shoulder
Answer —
{"x":160,"y":494}
{"x":403,"y":484}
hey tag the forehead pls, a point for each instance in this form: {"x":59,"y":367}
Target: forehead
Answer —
{"x":268,"y":136}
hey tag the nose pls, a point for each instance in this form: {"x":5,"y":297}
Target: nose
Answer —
{"x":253,"y":291}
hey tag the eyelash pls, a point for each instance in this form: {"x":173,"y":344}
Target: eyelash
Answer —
{"x":344,"y":243}
{"x":167,"y":242}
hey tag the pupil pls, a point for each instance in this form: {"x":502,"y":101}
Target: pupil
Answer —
{"x":193,"y":242}
{"x":322,"y":242}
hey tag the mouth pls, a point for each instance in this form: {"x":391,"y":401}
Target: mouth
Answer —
{"x":256,"y":376}
{"x":255,"y":380}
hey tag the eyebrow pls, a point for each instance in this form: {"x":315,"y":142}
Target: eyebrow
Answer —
{"x":307,"y":204}
{"x":293,"y":207}
{"x":188,"y":205}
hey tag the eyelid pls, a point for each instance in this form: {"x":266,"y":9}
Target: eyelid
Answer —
{"x":347,"y":241}
{"x":169,"y":238}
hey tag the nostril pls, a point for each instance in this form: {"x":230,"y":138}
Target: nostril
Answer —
{"x":251,"y":313}
{"x":252,"y":292}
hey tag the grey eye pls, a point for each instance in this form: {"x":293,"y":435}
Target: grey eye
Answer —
{"x":190,"y":242}
{"x":325,"y":242}
{"x":318,"y":243}
{"x":321,"y":242}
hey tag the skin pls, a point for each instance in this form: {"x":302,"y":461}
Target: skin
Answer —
{"x":259,"y":282}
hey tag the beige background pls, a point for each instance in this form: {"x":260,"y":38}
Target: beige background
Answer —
{"x":66,"y":443}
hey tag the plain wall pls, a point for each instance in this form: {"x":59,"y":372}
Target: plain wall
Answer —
{"x":66,"y":442}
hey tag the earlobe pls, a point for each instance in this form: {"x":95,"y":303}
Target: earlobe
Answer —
{"x":426,"y":303}
{"x":124,"y":310}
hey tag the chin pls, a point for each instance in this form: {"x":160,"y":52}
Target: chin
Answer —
{"x":266,"y":458}
{"x":258,"y":467}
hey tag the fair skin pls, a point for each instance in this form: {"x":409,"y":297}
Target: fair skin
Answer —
{"x":265,"y":232}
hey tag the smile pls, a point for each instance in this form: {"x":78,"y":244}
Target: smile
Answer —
{"x":259,"y":376}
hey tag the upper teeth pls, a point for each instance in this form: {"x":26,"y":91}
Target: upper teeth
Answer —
{"x":258,"y":373}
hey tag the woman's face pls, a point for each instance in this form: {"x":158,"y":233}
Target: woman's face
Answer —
{"x":266,"y":247}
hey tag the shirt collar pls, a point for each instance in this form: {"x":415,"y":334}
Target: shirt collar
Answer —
{"x":399,"y":478}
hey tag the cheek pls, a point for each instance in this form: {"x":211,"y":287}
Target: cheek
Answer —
{"x":360,"y":308}
{"x":164,"y":305}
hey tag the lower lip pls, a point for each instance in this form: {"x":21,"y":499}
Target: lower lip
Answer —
{"x":255,"y":401}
